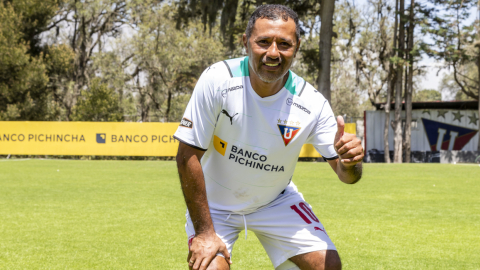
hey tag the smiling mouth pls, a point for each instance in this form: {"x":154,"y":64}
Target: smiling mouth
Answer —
{"x":272,"y":65}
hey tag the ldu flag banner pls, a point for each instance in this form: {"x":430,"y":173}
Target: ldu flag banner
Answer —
{"x":98,"y":138}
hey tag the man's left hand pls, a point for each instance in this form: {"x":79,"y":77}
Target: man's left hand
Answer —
{"x":348,"y":146}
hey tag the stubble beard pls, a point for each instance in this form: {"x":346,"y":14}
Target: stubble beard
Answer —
{"x":269,"y":78}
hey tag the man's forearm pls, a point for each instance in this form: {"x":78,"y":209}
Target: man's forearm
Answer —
{"x":193,"y":187}
{"x":351,"y":174}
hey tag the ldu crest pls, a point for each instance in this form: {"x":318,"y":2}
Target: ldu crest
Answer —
{"x":443,"y":136}
{"x":288,"y":133}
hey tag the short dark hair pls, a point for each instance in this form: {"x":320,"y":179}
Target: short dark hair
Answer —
{"x":273,"y":12}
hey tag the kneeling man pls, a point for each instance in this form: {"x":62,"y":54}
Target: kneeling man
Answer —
{"x":240,"y":139}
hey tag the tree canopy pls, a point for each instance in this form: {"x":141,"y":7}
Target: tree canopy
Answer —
{"x":60,"y":58}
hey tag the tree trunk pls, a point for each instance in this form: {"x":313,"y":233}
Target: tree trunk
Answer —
{"x":169,"y":105}
{"x":391,"y":85}
{"x":398,"y":138}
{"x":478,"y":70}
{"x":386,"y":145}
{"x":325,"y":48}
{"x":478,"y":74}
{"x":409,"y":90}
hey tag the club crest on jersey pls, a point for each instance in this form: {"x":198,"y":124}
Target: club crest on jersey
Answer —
{"x":288,"y":133}
{"x":443,"y":136}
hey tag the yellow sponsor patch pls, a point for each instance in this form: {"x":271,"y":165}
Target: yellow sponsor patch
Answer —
{"x":220,"y":145}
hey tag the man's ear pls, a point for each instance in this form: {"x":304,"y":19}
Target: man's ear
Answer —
{"x":298,"y":47}
{"x":245,"y":42}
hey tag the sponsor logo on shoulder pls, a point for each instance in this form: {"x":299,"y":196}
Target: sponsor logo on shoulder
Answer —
{"x":186,"y":123}
{"x":290,"y":103}
{"x":225,"y":91}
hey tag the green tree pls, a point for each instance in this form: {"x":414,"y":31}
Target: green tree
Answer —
{"x":233,"y":10}
{"x":346,"y":86}
{"x":449,"y":87}
{"x":168,"y":61}
{"x":83,"y":28}
{"x":36,"y":16}
{"x":99,"y":104}
{"x":23,"y":81}
{"x":427,"y":95}
{"x":59,"y":60}
{"x":456,"y":43}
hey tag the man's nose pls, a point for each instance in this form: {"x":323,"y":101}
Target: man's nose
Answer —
{"x":272,"y":51}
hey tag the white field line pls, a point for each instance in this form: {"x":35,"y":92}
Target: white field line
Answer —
{"x":19,"y":159}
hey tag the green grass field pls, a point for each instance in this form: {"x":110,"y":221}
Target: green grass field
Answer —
{"x":58,"y":214}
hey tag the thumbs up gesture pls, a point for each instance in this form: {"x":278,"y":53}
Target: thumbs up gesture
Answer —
{"x":348,"y":146}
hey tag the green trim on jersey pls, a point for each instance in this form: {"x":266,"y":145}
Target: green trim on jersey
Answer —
{"x":295,"y":83}
{"x":238,"y":67}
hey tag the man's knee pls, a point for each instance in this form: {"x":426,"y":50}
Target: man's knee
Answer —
{"x":219,"y":263}
{"x":332,"y":260}
{"x":318,"y":260}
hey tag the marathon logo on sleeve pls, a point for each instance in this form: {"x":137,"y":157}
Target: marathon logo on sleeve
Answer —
{"x":186,"y":123}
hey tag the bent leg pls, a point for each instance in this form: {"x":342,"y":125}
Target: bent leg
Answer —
{"x":227,"y":228}
{"x":288,"y":229}
{"x":218,"y":263}
{"x":318,"y":260}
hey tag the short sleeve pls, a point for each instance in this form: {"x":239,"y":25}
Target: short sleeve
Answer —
{"x":198,"y":122}
{"x":323,"y":134}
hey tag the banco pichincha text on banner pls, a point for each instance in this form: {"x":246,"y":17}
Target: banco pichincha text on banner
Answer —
{"x":98,"y":138}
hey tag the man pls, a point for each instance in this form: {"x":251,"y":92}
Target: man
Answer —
{"x":246,"y":122}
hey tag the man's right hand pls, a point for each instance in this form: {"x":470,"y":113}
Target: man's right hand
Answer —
{"x":206,"y":244}
{"x":203,"y":250}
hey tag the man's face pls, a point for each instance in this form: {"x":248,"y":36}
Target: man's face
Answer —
{"x":271,"y":48}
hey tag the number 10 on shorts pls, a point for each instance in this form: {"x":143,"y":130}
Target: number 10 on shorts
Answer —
{"x":307,"y":210}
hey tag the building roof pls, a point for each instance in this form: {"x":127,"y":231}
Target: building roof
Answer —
{"x":453,"y":105}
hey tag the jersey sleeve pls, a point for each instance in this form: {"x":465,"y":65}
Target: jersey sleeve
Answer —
{"x":323,"y":134}
{"x":198,"y":122}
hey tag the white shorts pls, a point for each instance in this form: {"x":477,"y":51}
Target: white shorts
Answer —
{"x":286,"y":227}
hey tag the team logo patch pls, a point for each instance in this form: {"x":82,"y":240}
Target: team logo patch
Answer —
{"x":186,"y":123}
{"x":443,"y":136}
{"x":220,"y":145}
{"x":288,"y":133}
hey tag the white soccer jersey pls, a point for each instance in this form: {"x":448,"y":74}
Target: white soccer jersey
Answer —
{"x":252,"y":143}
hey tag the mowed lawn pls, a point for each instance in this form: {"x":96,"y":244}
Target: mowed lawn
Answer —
{"x":58,"y":214}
